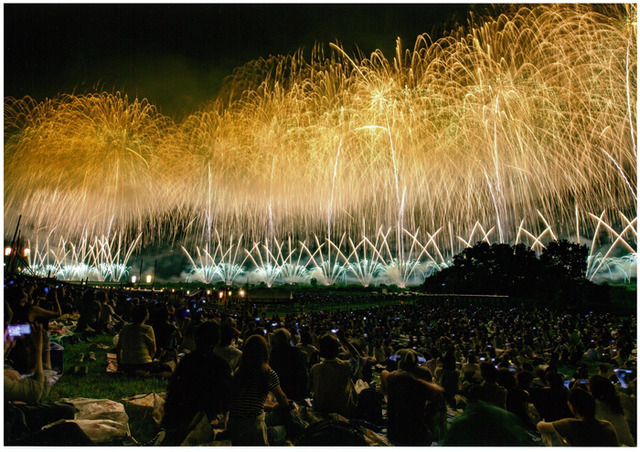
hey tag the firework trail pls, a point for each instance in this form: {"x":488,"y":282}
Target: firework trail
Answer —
{"x":526,"y":115}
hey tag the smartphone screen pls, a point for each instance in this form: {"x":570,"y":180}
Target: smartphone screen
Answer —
{"x":19,"y":330}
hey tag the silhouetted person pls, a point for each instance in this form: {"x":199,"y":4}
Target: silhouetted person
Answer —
{"x":200,"y":383}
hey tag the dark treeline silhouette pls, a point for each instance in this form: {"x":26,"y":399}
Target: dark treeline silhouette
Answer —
{"x":558,"y":275}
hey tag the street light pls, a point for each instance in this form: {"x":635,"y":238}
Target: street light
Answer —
{"x":7,"y":251}
{"x":241,"y":293}
{"x":148,"y":279}
{"x":134,"y":279}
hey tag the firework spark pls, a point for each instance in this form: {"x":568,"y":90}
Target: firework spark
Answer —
{"x":524,"y":122}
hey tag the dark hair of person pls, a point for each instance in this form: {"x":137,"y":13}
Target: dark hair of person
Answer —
{"x":506,"y":379}
{"x":555,"y":380}
{"x":207,"y":336}
{"x":524,"y":379}
{"x":254,"y":363}
{"x":408,"y":359}
{"x":139,"y":313}
{"x":281,"y":338}
{"x":449,"y":362}
{"x":582,"y":402}
{"x":227,"y":333}
{"x":603,"y":390}
{"x":329,"y":346}
{"x":305,"y":338}
{"x":489,"y":372}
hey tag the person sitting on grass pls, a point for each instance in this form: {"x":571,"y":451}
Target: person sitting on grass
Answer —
{"x":253,"y":381}
{"x":307,"y":346}
{"x":551,"y":401}
{"x":24,"y":415}
{"x":491,"y":391}
{"x":608,"y":408}
{"x":22,"y":355}
{"x":448,"y":377}
{"x":137,"y":346}
{"x":586,"y":430}
{"x":484,"y":424}
{"x":225,"y":349}
{"x":200,"y":383}
{"x":330,"y":380}
{"x":90,"y":312}
{"x":289,"y":363}
{"x":416,"y":407}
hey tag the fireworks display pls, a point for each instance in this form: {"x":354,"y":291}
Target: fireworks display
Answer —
{"x":524,"y":124}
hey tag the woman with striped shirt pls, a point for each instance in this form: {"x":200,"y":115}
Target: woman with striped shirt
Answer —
{"x":254,"y":379}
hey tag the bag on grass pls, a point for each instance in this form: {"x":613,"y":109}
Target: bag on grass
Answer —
{"x":102,"y":420}
{"x":146,"y":405}
{"x":200,"y":431}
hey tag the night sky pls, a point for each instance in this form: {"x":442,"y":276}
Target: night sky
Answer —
{"x":177,"y":55}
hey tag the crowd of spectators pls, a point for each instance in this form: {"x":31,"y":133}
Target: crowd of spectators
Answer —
{"x":445,"y":374}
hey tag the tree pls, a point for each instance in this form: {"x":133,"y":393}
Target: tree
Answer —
{"x":563,"y":259}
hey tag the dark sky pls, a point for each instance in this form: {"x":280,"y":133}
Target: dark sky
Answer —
{"x":177,"y":55}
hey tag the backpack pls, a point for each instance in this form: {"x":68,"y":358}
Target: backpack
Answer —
{"x":370,"y":406}
{"x":332,"y":433}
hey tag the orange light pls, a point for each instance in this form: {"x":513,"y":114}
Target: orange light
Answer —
{"x":221,"y":294}
{"x":7,"y":251}
{"x":26,"y":251}
{"x":241,"y":293}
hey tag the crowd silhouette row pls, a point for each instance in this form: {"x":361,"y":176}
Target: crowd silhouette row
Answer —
{"x":419,"y":374}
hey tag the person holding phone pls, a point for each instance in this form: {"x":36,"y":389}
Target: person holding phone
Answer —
{"x":24,"y":415}
{"x":23,"y":354}
{"x":32,"y":388}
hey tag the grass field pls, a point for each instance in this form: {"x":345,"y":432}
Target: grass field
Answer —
{"x":98,"y":384}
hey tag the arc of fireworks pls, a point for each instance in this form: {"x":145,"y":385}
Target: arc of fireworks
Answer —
{"x":618,"y":239}
{"x":330,"y":269}
{"x":485,"y":235}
